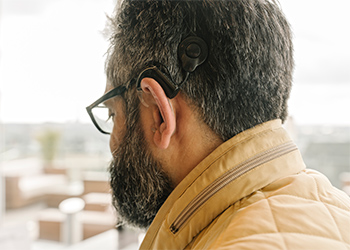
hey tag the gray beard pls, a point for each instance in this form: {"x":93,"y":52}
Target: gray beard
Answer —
{"x":139,"y":185}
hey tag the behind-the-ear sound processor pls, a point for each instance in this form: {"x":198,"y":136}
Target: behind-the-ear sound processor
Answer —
{"x":192,"y":52}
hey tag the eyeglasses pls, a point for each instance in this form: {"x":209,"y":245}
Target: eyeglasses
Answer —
{"x":100,"y":114}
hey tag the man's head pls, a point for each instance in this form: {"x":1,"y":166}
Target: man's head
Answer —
{"x":247,"y":77}
{"x":245,"y":81}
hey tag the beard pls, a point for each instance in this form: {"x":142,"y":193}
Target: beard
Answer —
{"x":139,"y":185}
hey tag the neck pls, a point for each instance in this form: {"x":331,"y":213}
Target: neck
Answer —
{"x":194,"y":144}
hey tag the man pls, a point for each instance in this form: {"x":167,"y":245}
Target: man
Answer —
{"x":196,"y":94}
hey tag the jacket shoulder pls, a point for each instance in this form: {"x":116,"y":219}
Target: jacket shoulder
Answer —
{"x":302,"y":211}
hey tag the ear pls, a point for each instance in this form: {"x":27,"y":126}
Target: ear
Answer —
{"x":163,"y":114}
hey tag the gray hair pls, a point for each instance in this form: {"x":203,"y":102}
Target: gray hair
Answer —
{"x":247,"y":77}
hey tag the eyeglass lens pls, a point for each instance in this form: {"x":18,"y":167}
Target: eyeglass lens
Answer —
{"x":103,"y":119}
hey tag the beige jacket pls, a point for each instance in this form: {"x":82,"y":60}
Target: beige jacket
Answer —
{"x":253,"y":192}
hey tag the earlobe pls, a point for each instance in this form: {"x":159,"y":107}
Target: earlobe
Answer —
{"x":163,"y":115}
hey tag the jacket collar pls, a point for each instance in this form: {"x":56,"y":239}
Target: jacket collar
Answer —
{"x":245,"y":163}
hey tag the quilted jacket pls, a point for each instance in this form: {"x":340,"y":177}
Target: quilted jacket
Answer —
{"x":253,"y":192}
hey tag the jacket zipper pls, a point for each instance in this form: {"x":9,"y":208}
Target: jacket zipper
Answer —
{"x":227,"y":178}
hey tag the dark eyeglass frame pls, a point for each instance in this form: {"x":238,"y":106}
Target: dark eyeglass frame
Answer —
{"x":152,"y":70}
{"x":110,"y":94}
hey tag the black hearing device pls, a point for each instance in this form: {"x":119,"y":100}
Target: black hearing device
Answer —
{"x":170,"y":88}
{"x":192,"y":51}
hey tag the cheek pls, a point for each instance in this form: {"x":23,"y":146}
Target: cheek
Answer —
{"x":116,"y":138}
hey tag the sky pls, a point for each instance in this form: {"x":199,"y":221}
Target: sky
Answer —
{"x":52,"y":55}
{"x":52,"y":58}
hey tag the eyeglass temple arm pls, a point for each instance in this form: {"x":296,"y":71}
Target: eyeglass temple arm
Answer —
{"x":114,"y":92}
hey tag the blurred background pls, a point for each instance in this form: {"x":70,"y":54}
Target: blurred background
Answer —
{"x":53,"y":162}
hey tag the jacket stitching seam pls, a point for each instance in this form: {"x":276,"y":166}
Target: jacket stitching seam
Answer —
{"x":274,"y":220}
{"x":313,"y":235}
{"x":336,"y":225}
{"x":308,"y":200}
{"x":340,"y":199}
{"x":329,"y":212}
